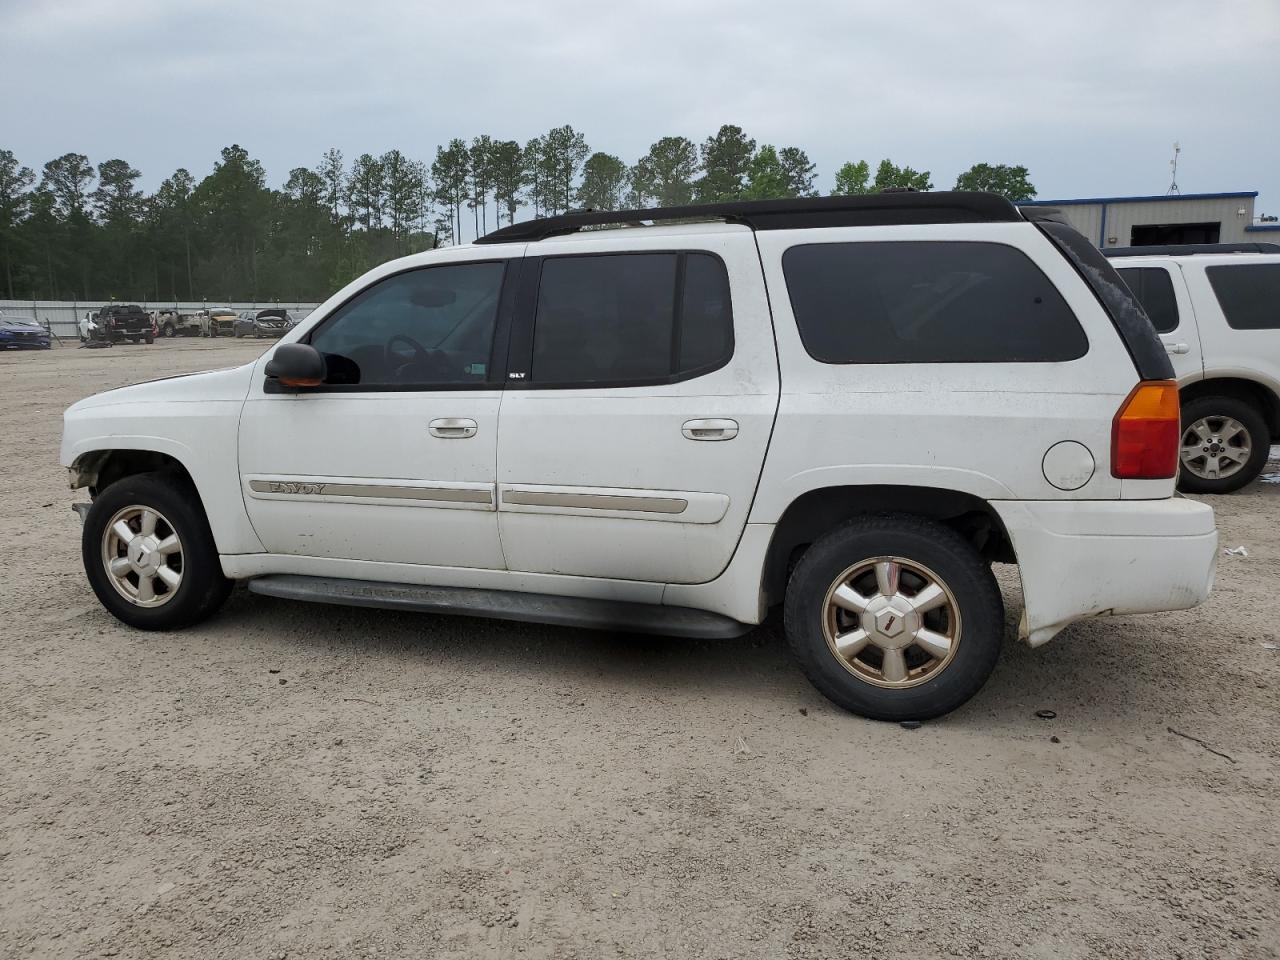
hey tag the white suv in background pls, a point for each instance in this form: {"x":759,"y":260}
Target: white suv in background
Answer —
{"x":850,"y":407}
{"x":1218,"y":313}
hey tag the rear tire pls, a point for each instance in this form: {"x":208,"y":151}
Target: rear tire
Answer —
{"x":186,"y":584}
{"x":888,"y":661}
{"x":169,"y":331}
{"x":150,"y":339}
{"x":1208,"y":422}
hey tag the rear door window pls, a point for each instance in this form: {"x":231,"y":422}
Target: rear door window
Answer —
{"x":631,"y":319}
{"x":928,"y":302}
{"x":1249,"y":294}
{"x":1154,"y":290}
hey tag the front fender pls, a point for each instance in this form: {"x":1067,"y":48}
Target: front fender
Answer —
{"x":199,"y":436}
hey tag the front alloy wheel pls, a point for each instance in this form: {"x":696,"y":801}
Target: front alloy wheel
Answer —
{"x":149,"y":553}
{"x":142,"y":554}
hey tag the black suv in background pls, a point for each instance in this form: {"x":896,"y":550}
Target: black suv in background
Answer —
{"x":125,"y":321}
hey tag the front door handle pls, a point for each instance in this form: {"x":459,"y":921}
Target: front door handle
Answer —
{"x":710,"y":429}
{"x":453,"y":428}
{"x":1176,"y":348}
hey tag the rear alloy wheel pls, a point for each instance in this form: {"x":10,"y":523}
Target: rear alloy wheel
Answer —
{"x":149,"y":554}
{"x":891,"y":622}
{"x":894,"y":617}
{"x":1224,"y":445}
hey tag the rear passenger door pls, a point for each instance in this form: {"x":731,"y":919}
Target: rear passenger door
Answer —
{"x":1163,"y":294}
{"x":641,"y":394}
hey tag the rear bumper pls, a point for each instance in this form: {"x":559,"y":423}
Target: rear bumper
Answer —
{"x":1095,"y":558}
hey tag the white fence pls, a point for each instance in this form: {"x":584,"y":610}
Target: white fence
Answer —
{"x":62,"y":317}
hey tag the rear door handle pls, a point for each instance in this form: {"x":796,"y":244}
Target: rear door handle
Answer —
{"x":710,"y":429}
{"x":1178,"y":348}
{"x":453,"y":428}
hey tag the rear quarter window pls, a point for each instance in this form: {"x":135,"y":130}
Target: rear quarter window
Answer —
{"x":928,"y":302}
{"x":1249,"y":294}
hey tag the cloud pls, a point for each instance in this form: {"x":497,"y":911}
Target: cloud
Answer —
{"x":1089,"y":95}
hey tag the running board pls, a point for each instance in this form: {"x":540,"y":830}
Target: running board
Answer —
{"x":592,"y":614}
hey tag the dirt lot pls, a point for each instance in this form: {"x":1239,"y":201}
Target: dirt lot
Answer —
{"x":310,"y":781}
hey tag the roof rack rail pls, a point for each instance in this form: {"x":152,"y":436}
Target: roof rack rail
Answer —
{"x":876,"y":209}
{"x":1183,"y":249}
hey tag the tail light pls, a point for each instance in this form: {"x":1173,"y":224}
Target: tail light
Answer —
{"x":1146,"y":432}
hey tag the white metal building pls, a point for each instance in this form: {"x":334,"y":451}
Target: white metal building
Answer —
{"x":1186,"y":218}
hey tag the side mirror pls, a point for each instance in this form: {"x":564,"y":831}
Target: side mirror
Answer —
{"x":296,"y":365}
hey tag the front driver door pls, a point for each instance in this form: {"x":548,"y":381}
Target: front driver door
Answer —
{"x":392,"y":458}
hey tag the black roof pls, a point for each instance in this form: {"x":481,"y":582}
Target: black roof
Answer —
{"x":875,"y":209}
{"x":1181,"y":249}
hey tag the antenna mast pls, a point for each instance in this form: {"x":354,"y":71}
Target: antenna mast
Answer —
{"x":1173,"y":190}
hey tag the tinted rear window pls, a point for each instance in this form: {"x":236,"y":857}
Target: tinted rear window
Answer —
{"x":1154,"y":290}
{"x":631,"y":318}
{"x":927,"y":302}
{"x":1249,"y":294}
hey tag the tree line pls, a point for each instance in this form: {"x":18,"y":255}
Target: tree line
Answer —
{"x":77,"y":231}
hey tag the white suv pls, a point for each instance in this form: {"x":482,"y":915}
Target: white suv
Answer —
{"x":848,"y":406}
{"x":1218,"y":313}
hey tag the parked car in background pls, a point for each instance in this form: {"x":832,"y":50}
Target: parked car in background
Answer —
{"x":1217,"y":310}
{"x":272,"y":322}
{"x":90,"y":330}
{"x":216,"y":321}
{"x":849,"y":407}
{"x":171,"y":322}
{"x":19,"y":333}
{"x":126,"y":321}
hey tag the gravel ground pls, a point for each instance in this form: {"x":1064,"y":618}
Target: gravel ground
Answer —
{"x":309,"y":781}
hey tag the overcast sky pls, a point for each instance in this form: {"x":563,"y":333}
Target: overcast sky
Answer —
{"x":1090,"y":96}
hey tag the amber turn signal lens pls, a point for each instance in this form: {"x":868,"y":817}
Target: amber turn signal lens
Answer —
{"x":1146,"y":432}
{"x":298,"y":382}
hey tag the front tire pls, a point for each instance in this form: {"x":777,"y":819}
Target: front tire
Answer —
{"x":149,"y":554}
{"x":1224,"y":446}
{"x":169,"y":331}
{"x":894,"y":617}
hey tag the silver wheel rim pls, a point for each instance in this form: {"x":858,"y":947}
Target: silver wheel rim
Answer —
{"x":142,"y":555}
{"x":1214,"y":448}
{"x":891,"y":622}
